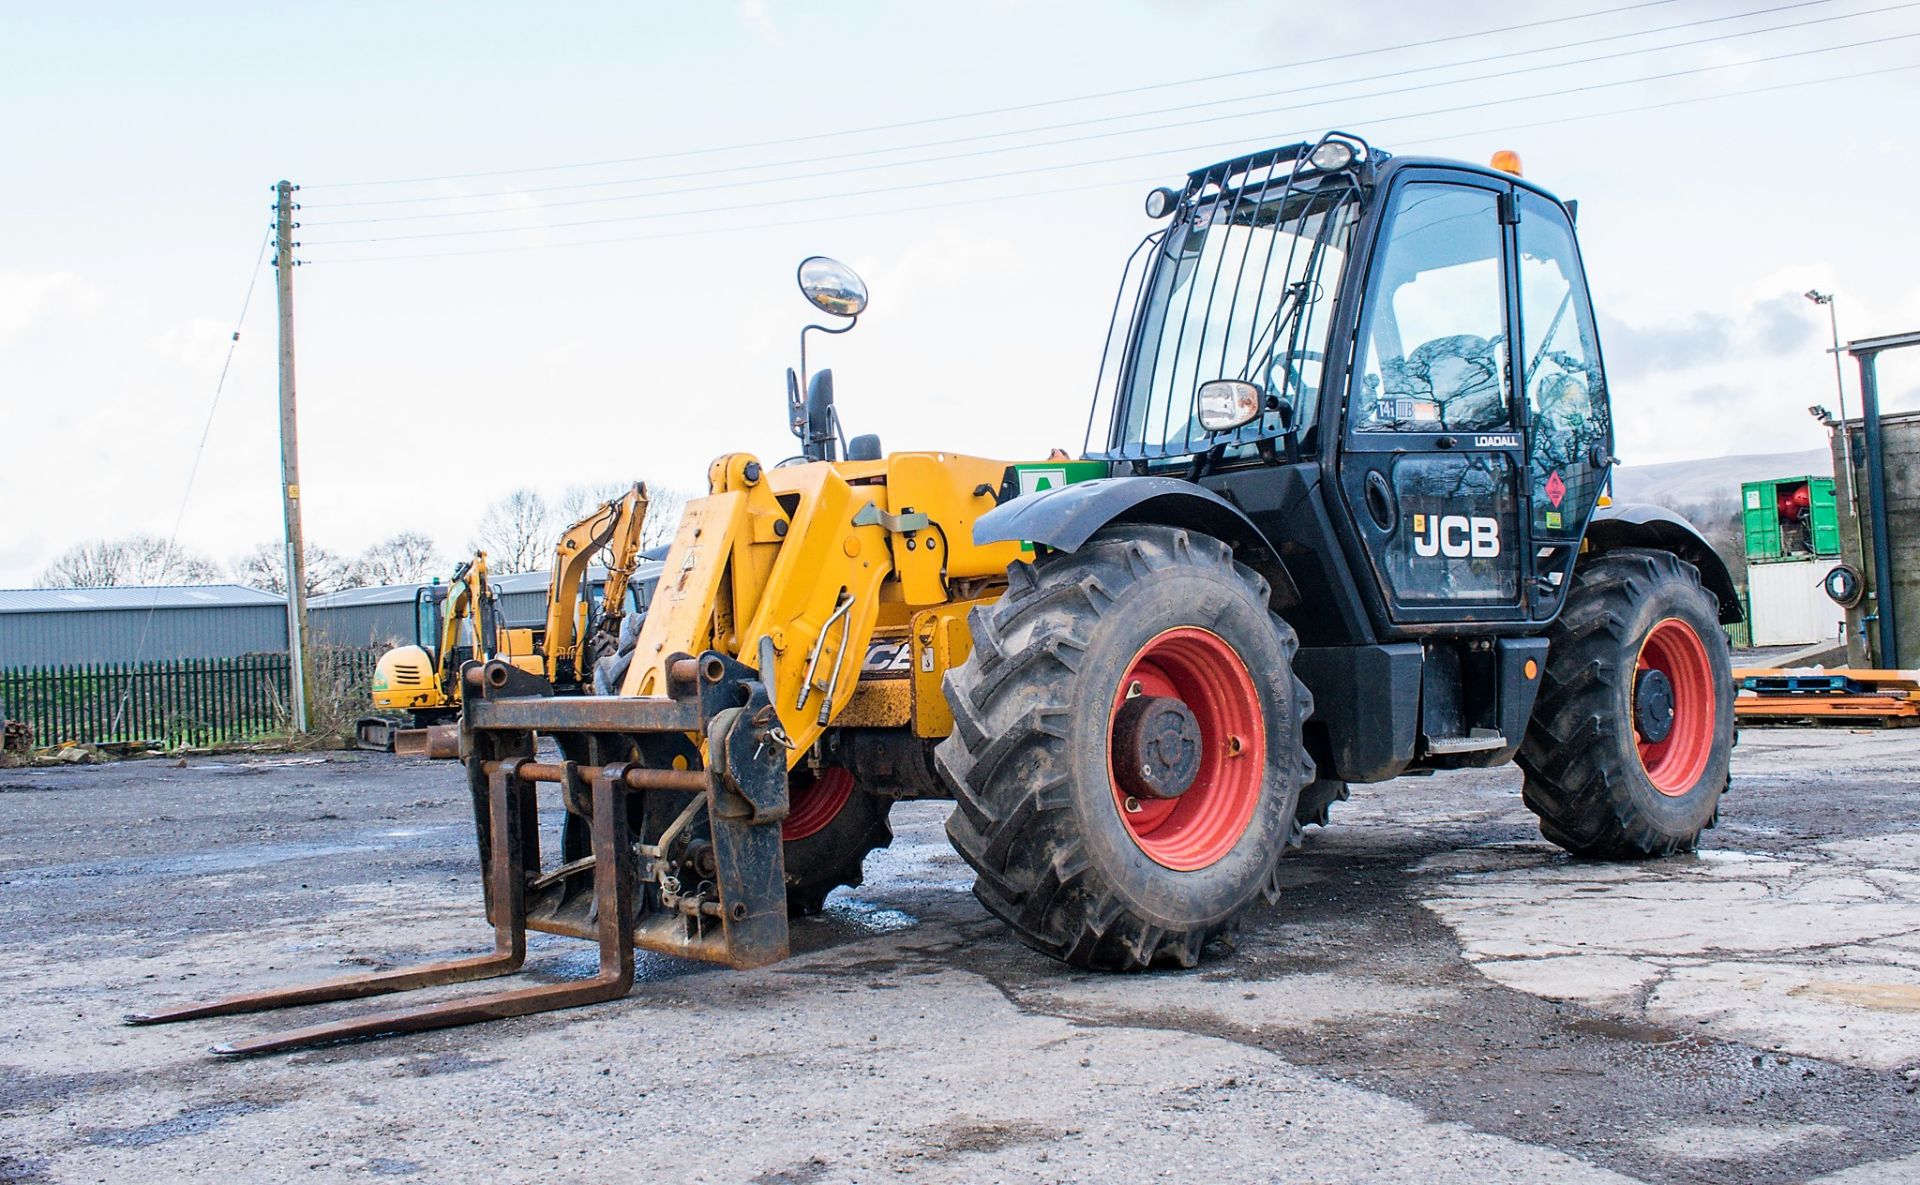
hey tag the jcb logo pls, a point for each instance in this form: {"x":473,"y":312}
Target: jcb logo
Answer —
{"x":1455,"y":536}
{"x":887,"y":660}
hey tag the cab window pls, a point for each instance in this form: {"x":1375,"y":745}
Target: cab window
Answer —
{"x":1566,"y":391}
{"x":1434,"y":352}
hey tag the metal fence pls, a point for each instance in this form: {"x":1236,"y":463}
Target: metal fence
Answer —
{"x":206,"y":701}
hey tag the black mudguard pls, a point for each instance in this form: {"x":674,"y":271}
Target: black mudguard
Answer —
{"x":1640,"y":524}
{"x":1066,"y":517}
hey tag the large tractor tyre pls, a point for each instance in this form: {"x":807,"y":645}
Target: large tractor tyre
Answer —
{"x":1315,"y":807}
{"x":830,"y":827}
{"x":1126,"y":751}
{"x":1627,"y":752}
{"x":611,"y":671}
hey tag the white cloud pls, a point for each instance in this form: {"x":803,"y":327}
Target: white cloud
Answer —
{"x":757,"y":15}
{"x":200,"y":342}
{"x":29,"y":298}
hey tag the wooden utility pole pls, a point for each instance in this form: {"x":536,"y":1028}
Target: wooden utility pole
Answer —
{"x":283,"y":264}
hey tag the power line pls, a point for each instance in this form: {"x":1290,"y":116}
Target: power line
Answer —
{"x":193,"y":470}
{"x":1080,"y":123}
{"x":1103,"y":185}
{"x":219,"y":386}
{"x":1038,"y":169}
{"x":1018,"y":107}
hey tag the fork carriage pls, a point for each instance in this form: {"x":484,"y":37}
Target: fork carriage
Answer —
{"x":660,"y":856}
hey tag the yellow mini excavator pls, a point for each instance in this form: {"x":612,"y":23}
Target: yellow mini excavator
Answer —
{"x":459,"y":622}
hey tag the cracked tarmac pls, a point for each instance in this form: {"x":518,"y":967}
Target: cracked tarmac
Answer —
{"x":1439,"y":996}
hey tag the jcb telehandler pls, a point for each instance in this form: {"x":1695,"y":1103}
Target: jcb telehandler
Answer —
{"x":1338,"y":519}
{"x":459,"y":622}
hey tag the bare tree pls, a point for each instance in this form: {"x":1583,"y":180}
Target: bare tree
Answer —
{"x":407,"y":558}
{"x":135,"y":559}
{"x":1723,"y":526}
{"x":664,"y":508}
{"x":578,"y":500}
{"x":330,"y":572}
{"x":265,"y":567}
{"x":516,"y":532}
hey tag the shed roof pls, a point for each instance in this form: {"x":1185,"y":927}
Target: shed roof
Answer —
{"x":163,"y":596}
{"x":504,"y":583}
{"x":378,"y":594}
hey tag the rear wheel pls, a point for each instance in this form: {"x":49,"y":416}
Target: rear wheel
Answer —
{"x":1126,"y":751}
{"x":1628,"y":750}
{"x":830,"y":827}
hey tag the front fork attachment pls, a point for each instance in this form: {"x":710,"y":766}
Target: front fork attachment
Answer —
{"x":510,"y":802}
{"x":745,"y":798}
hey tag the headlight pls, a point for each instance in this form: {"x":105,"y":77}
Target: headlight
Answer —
{"x":1161,"y":201}
{"x":1227,"y":403}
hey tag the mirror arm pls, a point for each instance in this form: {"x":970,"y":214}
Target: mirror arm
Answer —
{"x":851,"y":322}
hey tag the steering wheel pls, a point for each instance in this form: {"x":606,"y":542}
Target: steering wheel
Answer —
{"x":1287,"y":387}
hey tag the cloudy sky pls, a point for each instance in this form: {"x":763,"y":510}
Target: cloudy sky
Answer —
{"x":576,"y":264}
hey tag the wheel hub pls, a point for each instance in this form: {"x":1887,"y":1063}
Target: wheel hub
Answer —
{"x":1653,"y":705}
{"x":1156,"y":747}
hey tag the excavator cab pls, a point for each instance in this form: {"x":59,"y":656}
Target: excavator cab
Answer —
{"x":430,"y":626}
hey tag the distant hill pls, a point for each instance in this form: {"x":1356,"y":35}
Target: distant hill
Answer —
{"x":1713,"y":482}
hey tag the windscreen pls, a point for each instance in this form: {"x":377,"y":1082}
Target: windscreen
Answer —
{"x":1242,"y":285}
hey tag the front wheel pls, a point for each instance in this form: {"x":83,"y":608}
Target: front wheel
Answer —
{"x":1630,"y":742}
{"x":1126,"y":750}
{"x":830,"y":827}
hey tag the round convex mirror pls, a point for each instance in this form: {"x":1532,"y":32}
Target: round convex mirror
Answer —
{"x":832,"y":286}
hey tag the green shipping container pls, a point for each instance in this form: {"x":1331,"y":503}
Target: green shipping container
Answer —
{"x":1790,"y":518}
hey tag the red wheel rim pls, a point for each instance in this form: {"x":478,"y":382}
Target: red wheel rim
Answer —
{"x":816,"y":803}
{"x":1202,"y":825}
{"x":1674,"y":765}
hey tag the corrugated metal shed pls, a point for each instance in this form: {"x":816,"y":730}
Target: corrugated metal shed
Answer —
{"x":384,"y":616}
{"x":378,"y":617}
{"x":41,"y":627}
{"x":523,"y":595}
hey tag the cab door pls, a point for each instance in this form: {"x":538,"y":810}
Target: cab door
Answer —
{"x":1433,"y":461}
{"x":1569,"y":428}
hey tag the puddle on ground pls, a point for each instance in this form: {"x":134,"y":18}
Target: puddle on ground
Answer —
{"x":561,"y":959}
{"x":875,"y":919}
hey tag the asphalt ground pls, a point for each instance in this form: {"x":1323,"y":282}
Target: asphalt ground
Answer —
{"x":1439,"y":996}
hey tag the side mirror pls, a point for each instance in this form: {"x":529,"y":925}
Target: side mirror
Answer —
{"x":1227,"y":403}
{"x":832,"y":286}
